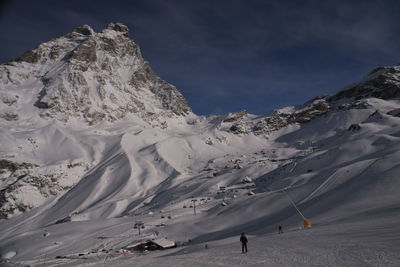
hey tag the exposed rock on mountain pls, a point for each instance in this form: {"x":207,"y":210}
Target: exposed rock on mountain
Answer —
{"x":354,"y":127}
{"x":278,"y":119}
{"x":382,"y":82}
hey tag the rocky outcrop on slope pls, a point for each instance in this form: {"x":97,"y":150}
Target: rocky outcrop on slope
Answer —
{"x":94,"y":77}
{"x":382,"y":82}
{"x":25,"y":185}
{"x":278,"y":119}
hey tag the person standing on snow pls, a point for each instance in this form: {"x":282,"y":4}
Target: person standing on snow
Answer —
{"x":244,"y":241}
{"x":280,"y":229}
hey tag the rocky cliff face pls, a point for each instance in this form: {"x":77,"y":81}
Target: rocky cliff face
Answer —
{"x":243,"y":123}
{"x":92,"y":76}
{"x":382,"y":82}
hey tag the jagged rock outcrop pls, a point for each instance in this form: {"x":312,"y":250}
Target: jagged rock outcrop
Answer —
{"x":354,"y":127}
{"x":25,"y":185}
{"x":382,"y":82}
{"x":303,"y":114}
{"x":235,"y":116}
{"x":394,"y":113}
{"x":278,"y":119}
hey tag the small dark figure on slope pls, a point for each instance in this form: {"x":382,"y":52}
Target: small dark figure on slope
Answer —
{"x":244,"y":241}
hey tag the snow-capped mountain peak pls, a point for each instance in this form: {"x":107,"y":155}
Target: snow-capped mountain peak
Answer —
{"x":91,"y":76}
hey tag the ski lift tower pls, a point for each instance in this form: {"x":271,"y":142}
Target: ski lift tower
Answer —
{"x":194,"y":205}
{"x":138,"y":225}
{"x":222,"y":189}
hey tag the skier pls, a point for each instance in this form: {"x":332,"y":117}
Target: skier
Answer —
{"x":244,"y":241}
{"x":280,"y":229}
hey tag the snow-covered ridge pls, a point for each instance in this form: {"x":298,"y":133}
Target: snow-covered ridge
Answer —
{"x":382,"y":83}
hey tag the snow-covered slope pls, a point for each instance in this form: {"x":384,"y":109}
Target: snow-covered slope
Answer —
{"x":83,"y":174}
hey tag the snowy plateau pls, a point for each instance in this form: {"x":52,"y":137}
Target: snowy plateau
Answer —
{"x":95,"y":147}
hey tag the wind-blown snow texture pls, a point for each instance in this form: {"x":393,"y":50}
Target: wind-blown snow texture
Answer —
{"x":93,"y":141}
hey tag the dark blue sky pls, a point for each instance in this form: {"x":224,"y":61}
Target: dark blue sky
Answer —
{"x":229,"y":55}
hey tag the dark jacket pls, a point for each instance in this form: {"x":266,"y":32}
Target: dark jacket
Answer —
{"x":243,"y":239}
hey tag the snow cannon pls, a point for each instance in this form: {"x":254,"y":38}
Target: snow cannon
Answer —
{"x":307,"y":223}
